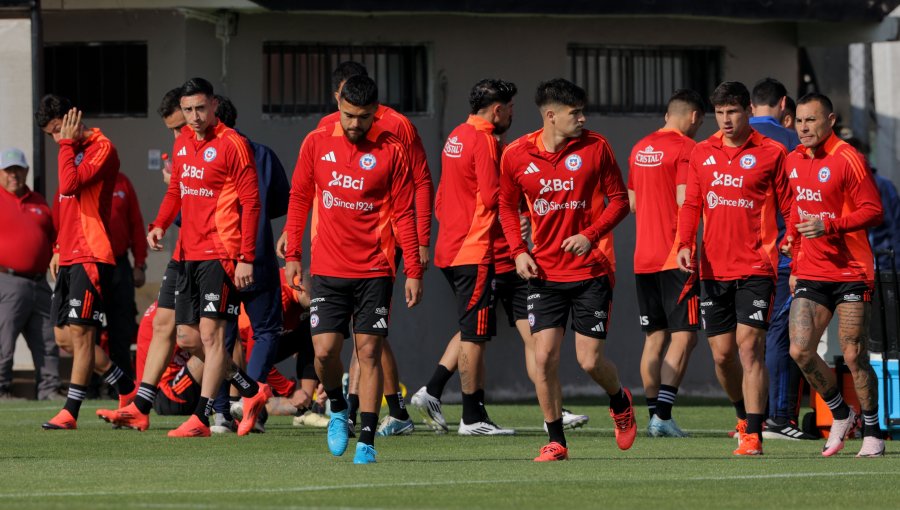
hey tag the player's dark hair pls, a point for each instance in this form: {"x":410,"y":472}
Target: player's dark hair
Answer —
{"x":170,"y":103}
{"x":790,"y":106}
{"x":560,"y":91}
{"x":51,"y":107}
{"x":692,"y":98}
{"x":196,"y":86}
{"x":346,"y":70}
{"x":768,"y":92}
{"x":822,"y":99}
{"x":731,"y":93}
{"x":490,"y":91}
{"x":226,"y":111}
{"x":360,"y":91}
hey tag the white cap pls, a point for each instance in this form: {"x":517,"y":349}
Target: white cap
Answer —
{"x":12,"y":157}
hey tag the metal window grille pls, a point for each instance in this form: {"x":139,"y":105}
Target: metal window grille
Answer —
{"x":297,"y":76}
{"x":641,"y":79}
{"x":103,"y":79}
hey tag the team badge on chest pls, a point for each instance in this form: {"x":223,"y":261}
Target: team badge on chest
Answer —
{"x":573,"y":162}
{"x":824,"y":174}
{"x":209,"y":155}
{"x":748,"y":161}
{"x":367,"y":161}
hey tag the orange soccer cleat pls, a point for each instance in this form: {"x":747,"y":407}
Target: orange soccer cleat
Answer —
{"x":750,"y":444}
{"x":62,"y":421}
{"x":193,"y":427}
{"x":252,"y":407}
{"x":552,"y":452}
{"x":626,"y":427}
{"x":124,"y":400}
{"x":128,"y":417}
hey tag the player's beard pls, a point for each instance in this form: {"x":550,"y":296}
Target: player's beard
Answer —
{"x":354,"y":135}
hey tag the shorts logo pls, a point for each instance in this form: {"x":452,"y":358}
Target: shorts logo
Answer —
{"x":573,"y":163}
{"x":531,"y":319}
{"x":799,"y":290}
{"x":759,"y":303}
{"x":453,"y":148}
{"x":534,"y":296}
{"x":327,"y":199}
{"x":748,"y":161}
{"x":541,"y":207}
{"x":600,"y":314}
{"x":313,"y":320}
{"x":758,"y":316}
{"x":211,"y":297}
{"x":209,"y":154}
{"x":852,"y":298}
{"x":79,"y":158}
{"x":599,"y":328}
{"x":318,"y":300}
{"x":645,"y":320}
{"x":706,"y":303}
{"x":74,"y":303}
{"x":367,"y":161}
{"x":210,"y":308}
{"x":824,"y":174}
{"x":72,"y":314}
{"x":381,"y":324}
{"x":382,"y":310}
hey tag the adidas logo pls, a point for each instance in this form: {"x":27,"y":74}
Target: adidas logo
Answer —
{"x":380,"y":324}
{"x":182,"y":152}
{"x":758,"y":316}
{"x":210,"y":308}
{"x":793,"y":174}
{"x":598,"y":328}
{"x":329,"y":157}
{"x":709,"y":161}
{"x":532,"y":169}
{"x":72,"y":314}
{"x":366,"y":429}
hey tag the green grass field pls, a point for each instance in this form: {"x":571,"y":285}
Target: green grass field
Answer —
{"x":96,"y":467}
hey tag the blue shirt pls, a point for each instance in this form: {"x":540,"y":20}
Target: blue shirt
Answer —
{"x":887,"y":235}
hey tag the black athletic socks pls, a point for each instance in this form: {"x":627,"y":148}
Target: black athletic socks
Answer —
{"x":435,"y":386}
{"x":666,"y":400}
{"x":396,"y":406}
{"x":77,"y":394}
{"x":651,"y":405}
{"x":555,"y":431}
{"x":871,"y":427}
{"x":354,"y":406}
{"x":754,"y":424}
{"x":839,"y":409}
{"x":204,"y":409}
{"x":146,"y":394}
{"x":336,"y":399}
{"x":473,"y":407}
{"x":618,"y":402}
{"x":116,"y":378}
{"x":368,"y":425}
{"x":246,"y":386}
{"x":739,"y":409}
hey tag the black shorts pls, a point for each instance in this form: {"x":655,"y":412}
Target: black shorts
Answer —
{"x":512,"y":291}
{"x":166,"y":297}
{"x":666,"y":301}
{"x":78,"y":294}
{"x":831,"y":294}
{"x":472,"y":284}
{"x":335,"y":300}
{"x":589,"y":302}
{"x":725,"y":304}
{"x":180,"y":398}
{"x":206,"y":288}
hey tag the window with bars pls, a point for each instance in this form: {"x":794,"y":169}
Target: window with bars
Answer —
{"x":297,"y":76}
{"x":641,"y":79}
{"x":103,"y":79}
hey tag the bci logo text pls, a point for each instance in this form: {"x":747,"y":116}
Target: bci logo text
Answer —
{"x":346,"y":181}
{"x":727,"y":180}
{"x":548,"y":185}
{"x":192,"y":172}
{"x":808,"y":194}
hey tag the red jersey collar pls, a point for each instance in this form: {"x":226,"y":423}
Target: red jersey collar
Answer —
{"x":480,"y":123}
{"x":670,"y":130}
{"x":755,"y":138}
{"x":211,"y":131}
{"x":536,"y":139}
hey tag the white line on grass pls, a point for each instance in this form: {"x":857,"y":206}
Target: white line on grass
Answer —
{"x":784,"y":475}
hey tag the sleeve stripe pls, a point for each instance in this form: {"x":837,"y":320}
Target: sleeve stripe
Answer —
{"x":101,"y":154}
{"x":855,"y":165}
{"x":241,"y":147}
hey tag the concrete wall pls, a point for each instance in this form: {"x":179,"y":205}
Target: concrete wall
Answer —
{"x":525,"y":50}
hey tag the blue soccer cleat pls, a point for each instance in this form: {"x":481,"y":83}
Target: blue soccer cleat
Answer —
{"x":391,"y":426}
{"x":365,"y":454}
{"x":664,"y":428}
{"x":338,"y":434}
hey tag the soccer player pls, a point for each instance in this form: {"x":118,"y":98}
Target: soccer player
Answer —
{"x":564,"y":173}
{"x":835,"y":200}
{"x":667,"y":298}
{"x":87,"y":166}
{"x":790,"y":113}
{"x":767,"y":102}
{"x":358,"y":177}
{"x":215,"y":187}
{"x":736,"y":181}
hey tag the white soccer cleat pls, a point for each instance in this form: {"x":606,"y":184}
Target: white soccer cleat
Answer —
{"x":571,"y":420}
{"x":871,"y":447}
{"x":430,"y":409}
{"x":840,"y":429}
{"x":483,"y":428}
{"x":222,"y":426}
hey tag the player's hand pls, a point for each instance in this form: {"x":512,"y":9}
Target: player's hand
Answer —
{"x":166,"y":169}
{"x":685,"y":262}
{"x":526,"y":267}
{"x":792,"y":283}
{"x":786,"y":245}
{"x":300,"y":398}
{"x":154,"y":238}
{"x":414,"y":292}
{"x":812,"y":228}
{"x":243,"y":275}
{"x":577,"y":244}
{"x":71,"y":124}
{"x":293,"y":274}
{"x":54,"y":266}
{"x":140,"y":277}
{"x":423,"y":256}
{"x":321,"y":396}
{"x":281,"y":245}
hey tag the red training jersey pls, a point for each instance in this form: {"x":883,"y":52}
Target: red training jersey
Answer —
{"x":657,"y":166}
{"x":126,"y":226}
{"x":833,"y":182}
{"x":738,"y":190}
{"x":26,"y":232}
{"x":214,"y":184}
{"x":397,"y":124}
{"x":356,"y":191}
{"x":466,"y":203}
{"x":87,"y":174}
{"x":565,"y":193}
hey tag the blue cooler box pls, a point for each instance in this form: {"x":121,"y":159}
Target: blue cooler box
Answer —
{"x":889,"y":404}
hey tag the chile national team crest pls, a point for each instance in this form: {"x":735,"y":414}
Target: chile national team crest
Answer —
{"x":824,"y":174}
{"x":748,"y":161}
{"x":209,"y":155}
{"x":79,"y":158}
{"x":573,"y":162}
{"x":367,"y":161}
